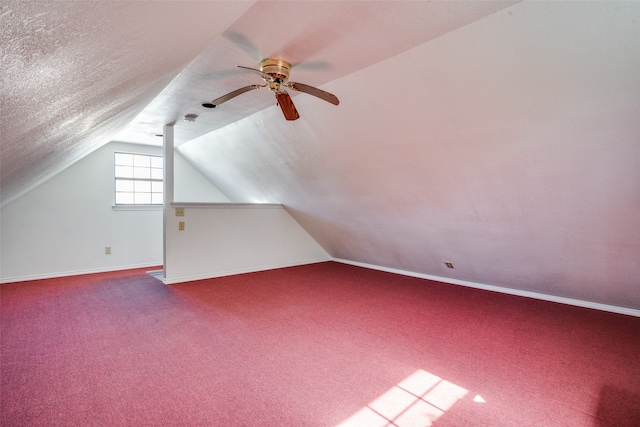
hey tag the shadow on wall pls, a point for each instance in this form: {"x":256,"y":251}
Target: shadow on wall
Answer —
{"x":617,"y":407}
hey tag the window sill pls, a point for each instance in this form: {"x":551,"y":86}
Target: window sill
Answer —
{"x":137,"y":207}
{"x":227,"y":205}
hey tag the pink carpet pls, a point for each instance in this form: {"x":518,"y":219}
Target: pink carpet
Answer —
{"x":318,"y":345}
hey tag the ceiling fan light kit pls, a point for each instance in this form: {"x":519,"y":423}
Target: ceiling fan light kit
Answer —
{"x":275,"y":73}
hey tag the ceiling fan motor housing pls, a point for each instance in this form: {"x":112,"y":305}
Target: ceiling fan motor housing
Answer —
{"x":277,"y":68}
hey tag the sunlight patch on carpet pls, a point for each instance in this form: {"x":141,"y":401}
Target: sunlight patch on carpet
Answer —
{"x":417,"y":401}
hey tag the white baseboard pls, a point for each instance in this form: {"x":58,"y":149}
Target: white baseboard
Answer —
{"x":176,"y":280}
{"x":76,"y":272}
{"x":545,"y":297}
{"x":172,"y":281}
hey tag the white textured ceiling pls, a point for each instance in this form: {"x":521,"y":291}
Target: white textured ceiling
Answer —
{"x":323,"y":40}
{"x":503,"y":137}
{"x":79,"y":74}
{"x":74,"y":74}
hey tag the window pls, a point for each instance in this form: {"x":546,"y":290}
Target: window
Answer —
{"x":138,"y":179}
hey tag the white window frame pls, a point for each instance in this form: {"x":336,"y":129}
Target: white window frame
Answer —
{"x":140,"y":176}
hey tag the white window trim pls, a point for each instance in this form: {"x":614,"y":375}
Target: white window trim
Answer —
{"x":134,"y":207}
{"x":137,"y":207}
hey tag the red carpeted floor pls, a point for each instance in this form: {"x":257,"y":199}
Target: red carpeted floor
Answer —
{"x":318,"y":345}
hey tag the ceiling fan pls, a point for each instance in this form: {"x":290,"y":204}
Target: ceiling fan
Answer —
{"x":275,"y":73}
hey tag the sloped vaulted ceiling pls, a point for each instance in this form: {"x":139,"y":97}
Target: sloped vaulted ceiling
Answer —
{"x":502,"y":137}
{"x":75,"y":73}
{"x":78,"y":74}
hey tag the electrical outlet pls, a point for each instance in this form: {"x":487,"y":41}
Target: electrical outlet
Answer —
{"x":181,"y":226}
{"x":179,"y":211}
{"x":448,"y":264}
{"x":107,"y":250}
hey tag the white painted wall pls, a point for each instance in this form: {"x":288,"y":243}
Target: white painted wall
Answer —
{"x":225,"y":239}
{"x":190,"y":185}
{"x":509,"y":147}
{"x":62,"y":226}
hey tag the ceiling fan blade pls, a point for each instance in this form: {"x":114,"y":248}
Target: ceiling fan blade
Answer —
{"x":263,"y":75}
{"x":230,"y":95}
{"x":286,"y":105}
{"x":301,"y":87}
{"x":243,"y":43}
